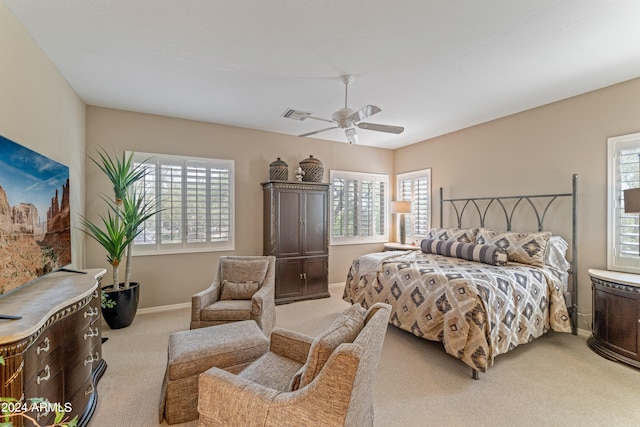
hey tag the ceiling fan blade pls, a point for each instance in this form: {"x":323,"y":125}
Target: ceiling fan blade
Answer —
{"x":381,"y":128}
{"x":292,"y":114}
{"x":318,"y":131}
{"x":363,"y":113}
{"x":320,"y":118}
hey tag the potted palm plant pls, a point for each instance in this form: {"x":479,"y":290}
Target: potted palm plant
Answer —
{"x":116,"y":231}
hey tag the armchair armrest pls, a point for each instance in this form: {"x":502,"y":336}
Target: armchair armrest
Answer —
{"x":245,"y":403}
{"x":262,"y":299}
{"x":203,"y":299}
{"x":291,"y":344}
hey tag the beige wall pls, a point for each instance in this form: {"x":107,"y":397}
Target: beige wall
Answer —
{"x":536,"y":152}
{"x":39,"y":110}
{"x":172,"y":279}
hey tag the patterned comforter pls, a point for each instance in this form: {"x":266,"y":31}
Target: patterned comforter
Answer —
{"x":476,"y":310}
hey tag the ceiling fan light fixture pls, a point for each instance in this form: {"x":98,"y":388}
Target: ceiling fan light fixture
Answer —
{"x":352,"y":135}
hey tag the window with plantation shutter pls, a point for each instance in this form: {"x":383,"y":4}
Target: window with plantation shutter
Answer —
{"x":359,"y":207}
{"x":195,"y":196}
{"x":623,"y":244}
{"x":416,"y":187}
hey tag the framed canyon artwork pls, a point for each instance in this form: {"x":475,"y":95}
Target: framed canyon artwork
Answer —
{"x":35,"y":219}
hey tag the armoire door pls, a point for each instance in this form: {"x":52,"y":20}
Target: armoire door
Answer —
{"x":289,"y":217}
{"x":315,"y":224}
{"x":289,"y":273}
{"x":316,"y":275}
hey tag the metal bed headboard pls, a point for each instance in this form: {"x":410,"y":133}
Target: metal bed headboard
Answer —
{"x":540,"y":211}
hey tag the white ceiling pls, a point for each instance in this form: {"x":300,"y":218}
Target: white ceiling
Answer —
{"x":432,"y":66}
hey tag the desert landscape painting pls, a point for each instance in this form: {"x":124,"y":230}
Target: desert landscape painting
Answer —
{"x":35,"y":219}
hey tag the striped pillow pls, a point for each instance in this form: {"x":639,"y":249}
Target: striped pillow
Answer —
{"x":487,"y":254}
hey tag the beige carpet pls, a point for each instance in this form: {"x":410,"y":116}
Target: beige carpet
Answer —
{"x":556,"y":380}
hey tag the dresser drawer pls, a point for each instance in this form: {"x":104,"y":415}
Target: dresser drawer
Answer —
{"x":96,"y":310}
{"x":44,"y":372}
{"x":74,"y":380}
{"x":48,"y":388}
{"x":76,"y":324}
{"x":45,"y":351}
{"x":80,"y":399}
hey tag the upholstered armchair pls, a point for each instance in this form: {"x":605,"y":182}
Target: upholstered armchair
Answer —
{"x":303,"y":381}
{"x":242,"y":289}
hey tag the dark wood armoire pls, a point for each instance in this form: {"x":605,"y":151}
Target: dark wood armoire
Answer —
{"x":296,"y":232}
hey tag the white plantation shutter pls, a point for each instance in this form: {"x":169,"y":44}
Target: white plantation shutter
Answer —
{"x":196,"y":198}
{"x":170,"y":182}
{"x":221,"y":192}
{"x":416,"y":187}
{"x":623,"y":248}
{"x":359,"y":207}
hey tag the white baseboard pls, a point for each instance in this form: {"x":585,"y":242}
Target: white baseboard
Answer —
{"x":161,"y":308}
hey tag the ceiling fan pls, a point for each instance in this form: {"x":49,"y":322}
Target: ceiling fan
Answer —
{"x":346,"y":118}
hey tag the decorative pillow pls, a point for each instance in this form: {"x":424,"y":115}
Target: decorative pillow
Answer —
{"x":344,"y":329}
{"x":525,"y":248}
{"x":555,"y":260}
{"x":555,"y":255}
{"x":464,"y":235}
{"x":238,"y":290}
{"x":487,"y":254}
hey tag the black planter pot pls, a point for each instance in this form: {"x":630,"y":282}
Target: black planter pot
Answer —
{"x":122,"y":314}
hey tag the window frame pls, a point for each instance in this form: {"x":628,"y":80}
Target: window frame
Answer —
{"x":411,"y":236}
{"x":617,"y":260}
{"x":360,"y":238}
{"x":184,"y":246}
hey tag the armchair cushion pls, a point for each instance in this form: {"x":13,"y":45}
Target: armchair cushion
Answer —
{"x":344,"y":329}
{"x":272,"y":371}
{"x":227,"y":310}
{"x":238,"y":290}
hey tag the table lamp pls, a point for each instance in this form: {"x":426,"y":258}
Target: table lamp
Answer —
{"x":403,"y":207}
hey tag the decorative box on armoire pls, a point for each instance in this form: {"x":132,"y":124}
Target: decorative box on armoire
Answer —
{"x":296,"y":232}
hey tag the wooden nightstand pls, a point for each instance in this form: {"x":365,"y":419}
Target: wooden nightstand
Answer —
{"x":394,"y":246}
{"x":616,"y":316}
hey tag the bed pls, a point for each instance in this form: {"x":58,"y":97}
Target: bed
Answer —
{"x":479,"y":290}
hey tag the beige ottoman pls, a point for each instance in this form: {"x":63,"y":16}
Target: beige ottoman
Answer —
{"x":230,"y":346}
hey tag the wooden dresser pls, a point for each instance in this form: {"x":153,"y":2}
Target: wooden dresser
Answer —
{"x":55,"y":351}
{"x":616,"y":316}
{"x":296,"y":232}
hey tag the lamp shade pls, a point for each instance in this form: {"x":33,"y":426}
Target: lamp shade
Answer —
{"x":632,"y":200}
{"x":403,"y":207}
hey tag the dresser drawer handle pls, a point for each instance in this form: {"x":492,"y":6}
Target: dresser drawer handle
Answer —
{"x":44,"y":347}
{"x":92,"y":312}
{"x":46,"y":376}
{"x":89,"y":391}
{"x":92,"y":358}
{"x":43,"y":414}
{"x":92,"y":333}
